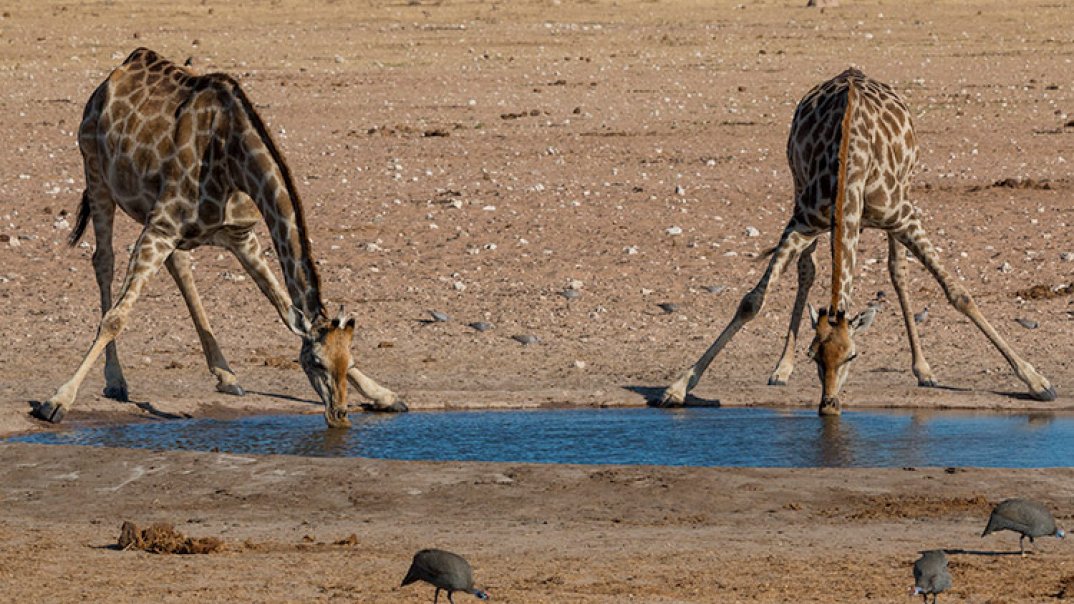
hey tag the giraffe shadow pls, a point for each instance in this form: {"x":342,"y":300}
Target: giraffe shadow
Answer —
{"x":652,"y":395}
{"x":285,"y":397}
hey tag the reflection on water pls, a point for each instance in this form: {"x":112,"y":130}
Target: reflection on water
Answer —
{"x":700,"y":437}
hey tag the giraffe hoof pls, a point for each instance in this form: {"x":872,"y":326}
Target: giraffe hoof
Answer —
{"x":118,"y":393}
{"x":927,"y":383}
{"x":829,"y":409}
{"x":1048,"y":394}
{"x":232,"y":389}
{"x":396,"y":407}
{"x":775,"y":381}
{"x":50,"y":412}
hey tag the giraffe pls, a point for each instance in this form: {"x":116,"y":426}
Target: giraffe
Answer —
{"x":189,"y":157}
{"x":851,"y":151}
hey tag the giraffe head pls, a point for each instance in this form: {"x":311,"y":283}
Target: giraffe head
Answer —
{"x":833,"y":349}
{"x":326,"y":357}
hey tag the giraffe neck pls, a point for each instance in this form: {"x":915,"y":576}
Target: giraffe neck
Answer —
{"x":840,"y":297}
{"x":266,"y":178}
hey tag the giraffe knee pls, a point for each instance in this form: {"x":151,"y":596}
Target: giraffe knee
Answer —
{"x":112,"y":324}
{"x":750,"y":307}
{"x":962,"y":301}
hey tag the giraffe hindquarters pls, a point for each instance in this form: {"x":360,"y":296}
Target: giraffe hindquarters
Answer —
{"x":913,"y":237}
{"x":807,"y":272}
{"x":898,"y":268}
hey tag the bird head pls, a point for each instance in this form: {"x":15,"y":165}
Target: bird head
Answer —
{"x":1060,"y":533}
{"x":916,"y":591}
{"x":481,"y":594}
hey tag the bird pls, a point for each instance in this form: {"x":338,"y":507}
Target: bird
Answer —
{"x":922,"y":316}
{"x":930,"y":575}
{"x":481,"y":326}
{"x":439,"y":317}
{"x":668,"y":307}
{"x":571,"y":294}
{"x":443,"y":570}
{"x":1027,"y":323}
{"x":1029,"y":518}
{"x":525,"y":339}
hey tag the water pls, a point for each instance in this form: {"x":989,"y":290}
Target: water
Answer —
{"x":692,"y":437}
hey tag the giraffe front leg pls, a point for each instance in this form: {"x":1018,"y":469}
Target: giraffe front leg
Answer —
{"x":897,"y":267}
{"x":914,"y":238}
{"x":178,"y":264}
{"x":149,"y":254}
{"x":807,"y":272}
{"x":383,"y":399}
{"x":793,"y":241}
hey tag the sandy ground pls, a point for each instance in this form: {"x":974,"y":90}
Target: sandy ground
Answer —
{"x":476,"y":158}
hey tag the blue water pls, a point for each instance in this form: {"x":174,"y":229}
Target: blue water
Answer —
{"x":755,"y":437}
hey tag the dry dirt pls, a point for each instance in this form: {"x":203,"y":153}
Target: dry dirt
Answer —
{"x":476,"y":158}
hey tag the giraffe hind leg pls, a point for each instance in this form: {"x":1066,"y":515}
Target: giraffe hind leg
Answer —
{"x":178,"y":265}
{"x":897,"y":267}
{"x":913,"y":237}
{"x":807,"y":272}
{"x":102,"y":214}
{"x":793,"y":241}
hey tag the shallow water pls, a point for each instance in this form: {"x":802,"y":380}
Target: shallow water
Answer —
{"x":692,"y":437}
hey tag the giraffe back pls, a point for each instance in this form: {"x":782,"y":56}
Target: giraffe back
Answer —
{"x":881,"y":153}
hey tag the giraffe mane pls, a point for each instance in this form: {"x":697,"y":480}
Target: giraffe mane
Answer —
{"x":251,"y":113}
{"x":838,"y":209}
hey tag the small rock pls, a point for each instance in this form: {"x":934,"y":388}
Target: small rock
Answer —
{"x":673,"y":231}
{"x":1067,"y":256}
{"x":574,"y":284}
{"x":439,"y":317}
{"x":680,"y":190}
{"x":525,"y":339}
{"x":1006,"y":267}
{"x":481,"y":326}
{"x":459,"y":286}
{"x":1027,"y":323}
{"x":579,"y":364}
{"x":631,"y":250}
{"x":752,"y":232}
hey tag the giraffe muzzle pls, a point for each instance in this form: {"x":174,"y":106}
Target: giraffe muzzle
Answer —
{"x":336,"y":417}
{"x":829,"y":406}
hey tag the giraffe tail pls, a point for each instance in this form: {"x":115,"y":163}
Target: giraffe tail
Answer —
{"x":82,"y":221}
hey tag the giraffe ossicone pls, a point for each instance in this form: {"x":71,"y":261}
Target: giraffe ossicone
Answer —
{"x":189,"y":157}
{"x":851,"y":152}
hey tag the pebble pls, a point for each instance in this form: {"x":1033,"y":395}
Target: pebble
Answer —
{"x":481,"y":326}
{"x":1067,"y":256}
{"x":1027,"y":323}
{"x":673,"y":231}
{"x":525,"y":339}
{"x":752,"y":232}
{"x":439,"y":317}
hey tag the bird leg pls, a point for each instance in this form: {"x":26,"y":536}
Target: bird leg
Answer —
{"x":1021,"y":545}
{"x":436,"y":595}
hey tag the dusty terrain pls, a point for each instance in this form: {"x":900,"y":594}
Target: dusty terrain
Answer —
{"x":476,"y":159}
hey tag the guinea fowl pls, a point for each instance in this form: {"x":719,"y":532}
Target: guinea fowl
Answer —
{"x":930,"y":575}
{"x":443,"y":570}
{"x":1023,"y":516}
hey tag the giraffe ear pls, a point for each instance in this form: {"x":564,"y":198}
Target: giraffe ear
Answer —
{"x":297,"y":321}
{"x":864,"y":319}
{"x":814,"y":317}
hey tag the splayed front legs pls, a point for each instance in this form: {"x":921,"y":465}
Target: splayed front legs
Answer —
{"x":792,"y":243}
{"x":149,"y":254}
{"x":913,"y":237}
